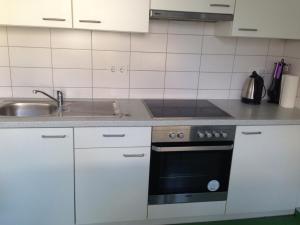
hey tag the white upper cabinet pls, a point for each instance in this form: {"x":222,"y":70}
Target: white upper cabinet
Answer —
{"x":112,"y":15}
{"x":40,"y":13}
{"x":205,"y":6}
{"x":265,"y":170}
{"x":263,"y":18}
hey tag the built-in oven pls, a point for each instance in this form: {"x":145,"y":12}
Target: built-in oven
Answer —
{"x":190,"y":164}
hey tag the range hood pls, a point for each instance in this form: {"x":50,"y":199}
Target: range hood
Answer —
{"x":195,"y":10}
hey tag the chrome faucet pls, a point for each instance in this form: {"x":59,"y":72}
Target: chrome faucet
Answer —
{"x":59,"y":100}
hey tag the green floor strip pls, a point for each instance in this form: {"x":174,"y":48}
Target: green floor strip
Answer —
{"x":280,"y":220}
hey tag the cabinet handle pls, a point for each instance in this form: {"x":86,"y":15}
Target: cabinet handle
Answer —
{"x":113,"y":135}
{"x":248,"y":29}
{"x":54,"y":19}
{"x":89,"y":21}
{"x":252,"y":133}
{"x":54,"y":136}
{"x":134,"y":155}
{"x":220,"y":5}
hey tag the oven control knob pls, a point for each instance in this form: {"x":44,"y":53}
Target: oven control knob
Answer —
{"x":180,"y":135}
{"x":201,"y":134}
{"x":216,"y":134}
{"x":208,"y":134}
{"x":172,"y":135}
{"x":224,"y":134}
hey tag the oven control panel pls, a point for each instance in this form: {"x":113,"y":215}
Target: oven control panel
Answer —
{"x":193,"y":133}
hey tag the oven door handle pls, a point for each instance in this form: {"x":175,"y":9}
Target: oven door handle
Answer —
{"x":192,"y":148}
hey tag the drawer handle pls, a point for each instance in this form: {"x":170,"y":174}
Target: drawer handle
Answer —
{"x":252,"y":133}
{"x":113,"y":135}
{"x":134,"y":155}
{"x":54,"y":136}
{"x":54,"y":19}
{"x":89,"y":21}
{"x":220,"y":5}
{"x":248,"y":29}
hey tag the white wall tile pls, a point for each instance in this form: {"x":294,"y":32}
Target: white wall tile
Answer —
{"x":180,"y":94}
{"x":68,"y":58}
{"x":209,"y":28}
{"x":235,"y":94}
{"x":147,"y":79}
{"x":183,"y":62}
{"x":30,"y":57}
{"x":5,"y":92}
{"x":252,"y":46}
{"x":295,"y":66}
{"x":184,"y":80}
{"x":5,"y":76}
{"x":213,"y":94}
{"x":72,"y":78}
{"x":32,"y":77}
{"x":109,"y":79}
{"x":149,"y":42}
{"x":68,"y":38}
{"x":248,"y":64}
{"x":184,"y":44}
{"x":158,"y":26}
{"x":3,"y":36}
{"x":218,"y":45}
{"x":214,"y":81}
{"x":28,"y":37}
{"x":217,"y":63}
{"x":111,"y":41}
{"x":110,"y":60}
{"x":147,"y":93}
{"x":186,"y":27}
{"x":110,"y":93}
{"x":4,"y":59}
{"x":292,"y":49}
{"x":270,"y":64}
{"x":238,"y":80}
{"x":76,"y":92}
{"x":276,"y":47}
{"x":147,"y":61}
{"x":26,"y":92}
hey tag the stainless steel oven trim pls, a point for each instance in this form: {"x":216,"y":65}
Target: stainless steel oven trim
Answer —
{"x":187,"y":198}
{"x":192,"y":148}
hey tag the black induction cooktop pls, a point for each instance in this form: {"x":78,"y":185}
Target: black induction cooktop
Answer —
{"x":184,"y":109}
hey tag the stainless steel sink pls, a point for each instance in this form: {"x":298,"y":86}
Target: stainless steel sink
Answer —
{"x":27,"y":109}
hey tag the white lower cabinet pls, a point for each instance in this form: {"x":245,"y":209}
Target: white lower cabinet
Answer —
{"x":36,"y":177}
{"x":265,"y":170}
{"x":111,"y":184}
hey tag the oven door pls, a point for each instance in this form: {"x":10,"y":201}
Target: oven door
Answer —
{"x":189,"y":172}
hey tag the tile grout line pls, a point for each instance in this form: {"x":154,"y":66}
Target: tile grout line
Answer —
{"x":52,"y":67}
{"x":233,"y":65}
{"x":129,"y":69}
{"x":9,"y":63}
{"x":166,"y":60}
{"x":200,"y":64}
{"x":92,"y":65}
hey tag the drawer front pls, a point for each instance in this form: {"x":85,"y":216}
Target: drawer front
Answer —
{"x":112,"y":137}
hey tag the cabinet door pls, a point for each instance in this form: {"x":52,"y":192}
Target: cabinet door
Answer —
{"x":41,"y":13}
{"x":36,"y":176}
{"x":265,"y":170}
{"x":113,"y":15}
{"x":267,"y":18}
{"x":208,"y":6}
{"x":111,"y":184}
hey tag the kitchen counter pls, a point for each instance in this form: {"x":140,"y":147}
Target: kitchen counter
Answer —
{"x":242,"y":114}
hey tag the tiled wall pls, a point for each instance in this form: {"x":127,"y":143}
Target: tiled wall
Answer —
{"x":175,"y":60}
{"x":292,"y":55}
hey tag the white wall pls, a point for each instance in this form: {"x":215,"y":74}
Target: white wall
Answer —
{"x":175,"y":60}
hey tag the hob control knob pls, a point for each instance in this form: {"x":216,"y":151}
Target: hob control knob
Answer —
{"x":217,"y":134}
{"x":201,"y":134}
{"x":172,"y":135}
{"x":208,"y":134}
{"x":180,"y":135}
{"x":224,"y":134}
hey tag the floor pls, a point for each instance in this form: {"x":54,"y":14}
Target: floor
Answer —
{"x":281,"y":220}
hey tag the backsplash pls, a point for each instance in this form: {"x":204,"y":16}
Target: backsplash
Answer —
{"x":175,"y":60}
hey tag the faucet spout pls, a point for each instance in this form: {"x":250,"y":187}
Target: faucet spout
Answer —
{"x":59,"y":100}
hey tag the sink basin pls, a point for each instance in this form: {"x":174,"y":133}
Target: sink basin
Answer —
{"x":27,"y":109}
